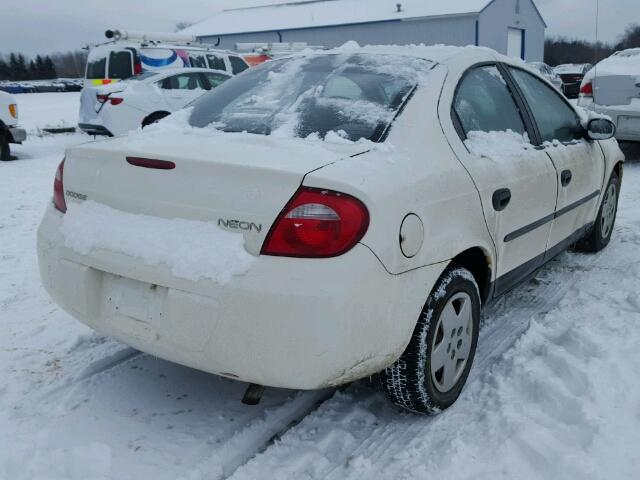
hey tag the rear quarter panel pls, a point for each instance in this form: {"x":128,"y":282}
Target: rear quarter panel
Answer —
{"x":414,"y":171}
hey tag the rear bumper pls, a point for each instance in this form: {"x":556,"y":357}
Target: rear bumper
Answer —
{"x":93,"y":129}
{"x":290,"y":323}
{"x":18,"y":135}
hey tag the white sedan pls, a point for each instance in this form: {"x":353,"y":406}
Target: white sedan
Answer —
{"x":141,"y":100}
{"x":612,"y":88}
{"x":330,"y":216}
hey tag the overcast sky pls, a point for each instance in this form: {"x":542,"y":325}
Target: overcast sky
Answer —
{"x":32,"y":26}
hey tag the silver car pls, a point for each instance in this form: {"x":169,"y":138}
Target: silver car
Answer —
{"x":612,"y":87}
{"x":547,"y":72}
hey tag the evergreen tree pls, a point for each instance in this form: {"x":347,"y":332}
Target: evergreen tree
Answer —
{"x":49,"y":68}
{"x":33,"y":70}
{"x":40,"y":67}
{"x":4,"y":69}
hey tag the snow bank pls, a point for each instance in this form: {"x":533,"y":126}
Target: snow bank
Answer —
{"x":193,"y":250}
{"x":37,"y":111}
{"x":497,"y":144}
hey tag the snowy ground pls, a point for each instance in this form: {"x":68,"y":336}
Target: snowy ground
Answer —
{"x":554,"y":393}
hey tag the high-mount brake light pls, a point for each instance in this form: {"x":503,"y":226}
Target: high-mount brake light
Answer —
{"x":58,"y":189}
{"x":317,"y":223}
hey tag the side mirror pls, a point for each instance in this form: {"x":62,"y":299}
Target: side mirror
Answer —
{"x":601,"y":129}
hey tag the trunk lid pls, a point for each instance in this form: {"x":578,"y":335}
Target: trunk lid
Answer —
{"x":237,"y":181}
{"x":611,"y":90}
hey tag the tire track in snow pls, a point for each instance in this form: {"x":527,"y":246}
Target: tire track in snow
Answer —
{"x":502,"y":324}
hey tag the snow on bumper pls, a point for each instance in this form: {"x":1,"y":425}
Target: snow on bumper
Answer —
{"x":289,"y":323}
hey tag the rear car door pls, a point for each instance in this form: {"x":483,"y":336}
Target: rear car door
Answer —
{"x":579,"y":163}
{"x":517,"y":188}
{"x":179,"y":90}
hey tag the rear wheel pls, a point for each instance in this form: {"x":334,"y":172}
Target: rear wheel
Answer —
{"x":600,"y":235}
{"x":153,"y":118}
{"x":5,"y":151}
{"x":432,"y":371}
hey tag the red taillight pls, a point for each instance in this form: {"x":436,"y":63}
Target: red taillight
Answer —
{"x":58,"y":189}
{"x":137,"y":68}
{"x":102,"y":98}
{"x":317,"y":224}
{"x":587,"y":90}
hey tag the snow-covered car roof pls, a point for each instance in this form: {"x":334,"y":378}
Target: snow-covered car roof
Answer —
{"x":578,"y":68}
{"x":625,"y":62}
{"x":435,"y":53}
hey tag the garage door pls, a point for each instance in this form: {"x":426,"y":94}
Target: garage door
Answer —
{"x":515,"y":43}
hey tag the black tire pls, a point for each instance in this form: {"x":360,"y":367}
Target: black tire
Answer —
{"x":5,"y":151}
{"x":600,"y":235}
{"x":410,"y":382}
{"x":153,"y":118}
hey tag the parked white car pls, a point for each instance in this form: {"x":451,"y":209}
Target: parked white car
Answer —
{"x":10,"y":132}
{"x":612,"y":88}
{"x":144,"y":99}
{"x":322,"y":218}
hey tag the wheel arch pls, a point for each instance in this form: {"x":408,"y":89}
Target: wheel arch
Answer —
{"x":478,"y":261}
{"x":618,"y":169}
{"x":145,"y":120}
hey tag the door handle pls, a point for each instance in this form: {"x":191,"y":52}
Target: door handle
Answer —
{"x":565,"y":177}
{"x":501,"y":199}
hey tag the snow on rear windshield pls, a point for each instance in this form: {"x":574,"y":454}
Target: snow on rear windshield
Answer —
{"x":354,"y":95}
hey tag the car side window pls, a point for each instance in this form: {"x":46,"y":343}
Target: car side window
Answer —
{"x":216,"y":63}
{"x":215,"y":79}
{"x":237,"y":65}
{"x":185,"y":81}
{"x":556,"y":120}
{"x":197,"y":61}
{"x":484,"y":103}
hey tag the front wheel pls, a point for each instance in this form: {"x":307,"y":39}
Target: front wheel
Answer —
{"x":600,"y":235}
{"x":432,"y":371}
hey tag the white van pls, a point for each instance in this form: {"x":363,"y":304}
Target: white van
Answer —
{"x":131,"y":53}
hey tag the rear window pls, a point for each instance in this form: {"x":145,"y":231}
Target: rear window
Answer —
{"x":237,"y":65}
{"x":97,"y":68}
{"x":120,"y":65}
{"x":356,"y":96}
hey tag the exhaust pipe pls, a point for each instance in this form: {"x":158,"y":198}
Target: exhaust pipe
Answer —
{"x":253,"y":395}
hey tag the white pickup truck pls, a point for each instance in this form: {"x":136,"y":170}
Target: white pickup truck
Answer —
{"x":9,"y":130}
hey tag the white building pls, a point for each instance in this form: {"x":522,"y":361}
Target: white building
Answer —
{"x":512,"y":27}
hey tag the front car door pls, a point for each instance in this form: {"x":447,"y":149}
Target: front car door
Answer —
{"x":179,"y":90}
{"x":517,"y":186}
{"x":579,"y":163}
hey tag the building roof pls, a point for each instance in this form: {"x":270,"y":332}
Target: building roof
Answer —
{"x":324,"y":13}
